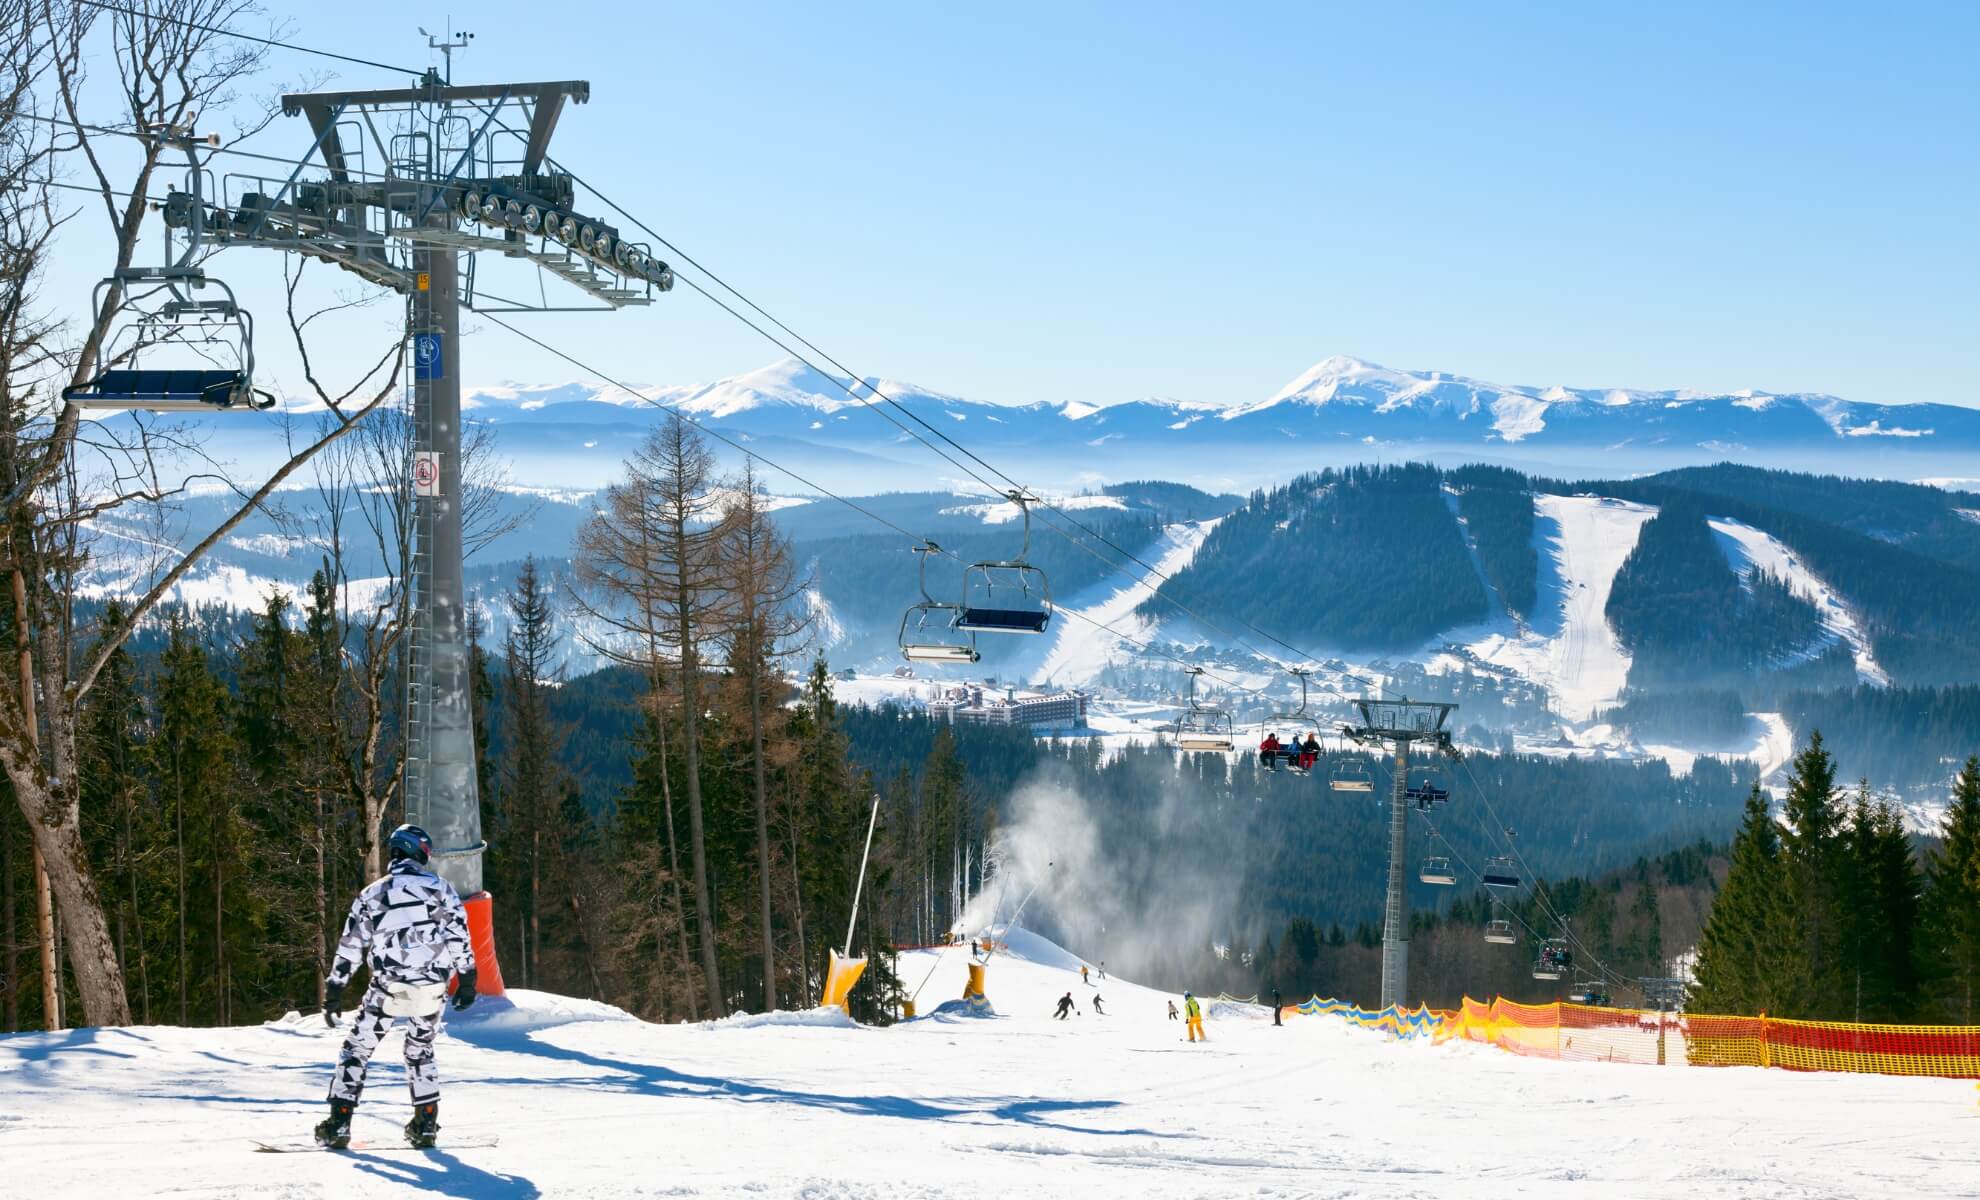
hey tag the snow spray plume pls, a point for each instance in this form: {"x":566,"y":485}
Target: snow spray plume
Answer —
{"x":1149,"y":890}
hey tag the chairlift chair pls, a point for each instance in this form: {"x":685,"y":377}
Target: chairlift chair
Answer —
{"x":1202,"y":727}
{"x":929,"y":628}
{"x":1007,"y":595}
{"x":1500,"y":933}
{"x":1554,"y":960}
{"x":1591,"y":992}
{"x":179,"y":351}
{"x":1438,"y":871}
{"x":1350,"y":775}
{"x":1301,"y":721}
{"x":186,"y":355}
{"x":1425,"y":794}
{"x":1499,"y":873}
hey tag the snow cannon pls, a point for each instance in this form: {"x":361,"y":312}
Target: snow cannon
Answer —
{"x":840,"y":975}
{"x":973,"y":993}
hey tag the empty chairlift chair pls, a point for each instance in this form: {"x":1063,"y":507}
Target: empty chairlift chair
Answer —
{"x":1007,"y":595}
{"x":1499,"y":873}
{"x":176,"y":346}
{"x":1500,"y":933}
{"x":929,"y":631}
{"x":187,"y":354}
{"x":1350,"y":775}
{"x":1438,"y":871}
{"x":1202,"y":727}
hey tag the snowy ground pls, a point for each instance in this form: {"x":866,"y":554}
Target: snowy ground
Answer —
{"x":1568,"y":646}
{"x":589,"y":1103}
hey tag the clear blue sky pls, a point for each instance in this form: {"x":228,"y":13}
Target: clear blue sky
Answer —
{"x":1101,"y":202}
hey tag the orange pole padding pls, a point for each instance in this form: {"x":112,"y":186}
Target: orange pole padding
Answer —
{"x":481,"y":931}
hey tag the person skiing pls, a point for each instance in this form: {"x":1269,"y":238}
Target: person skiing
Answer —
{"x":1276,"y":1009}
{"x":410,"y":929}
{"x":1065,"y":1007}
{"x":1082,"y":974}
{"x":1103,"y":968}
{"x":1172,"y":1010}
{"x":1194,"y":1012}
{"x":1097,"y":1010}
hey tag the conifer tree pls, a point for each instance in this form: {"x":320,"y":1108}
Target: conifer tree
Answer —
{"x":1811,"y":847}
{"x":1747,"y":936}
{"x":1951,"y":907}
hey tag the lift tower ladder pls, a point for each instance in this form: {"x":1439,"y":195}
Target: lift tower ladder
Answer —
{"x":401,"y":184}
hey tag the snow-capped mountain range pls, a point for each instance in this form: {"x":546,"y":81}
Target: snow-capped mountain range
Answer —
{"x":1341,"y":410}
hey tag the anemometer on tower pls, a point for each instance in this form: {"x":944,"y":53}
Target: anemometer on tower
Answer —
{"x":415,"y":184}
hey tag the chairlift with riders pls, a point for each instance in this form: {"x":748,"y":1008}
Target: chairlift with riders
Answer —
{"x":1301,"y":721}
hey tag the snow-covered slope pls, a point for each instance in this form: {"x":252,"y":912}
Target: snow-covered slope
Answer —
{"x":1750,"y":548}
{"x":1568,"y":647}
{"x":590,"y":1104}
{"x":1083,"y":645}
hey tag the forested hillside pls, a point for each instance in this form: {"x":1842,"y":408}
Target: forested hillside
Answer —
{"x":1916,"y":608}
{"x":1498,"y":514}
{"x":1680,"y":609}
{"x":1362,"y":558}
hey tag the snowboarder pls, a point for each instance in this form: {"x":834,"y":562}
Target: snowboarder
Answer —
{"x":1276,"y":1008}
{"x":1172,"y":1010}
{"x":410,"y":928}
{"x":1097,"y":1010}
{"x":1194,"y":1011}
{"x":1065,"y":1007}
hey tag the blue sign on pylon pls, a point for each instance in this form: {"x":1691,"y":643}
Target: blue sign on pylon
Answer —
{"x":427,"y":363}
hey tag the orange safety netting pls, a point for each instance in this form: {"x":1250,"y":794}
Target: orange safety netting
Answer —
{"x":1564,"y":1031}
{"x":1579,"y":1032}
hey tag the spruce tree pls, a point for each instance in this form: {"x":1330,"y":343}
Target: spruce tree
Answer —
{"x":1741,"y":950}
{"x":1951,"y":906}
{"x":1812,"y":846}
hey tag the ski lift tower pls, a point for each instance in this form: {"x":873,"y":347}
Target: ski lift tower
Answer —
{"x":407,"y":188}
{"x":1401,"y":724}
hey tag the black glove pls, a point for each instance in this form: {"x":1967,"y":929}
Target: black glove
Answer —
{"x":333,"y":1002}
{"x":463,"y":990}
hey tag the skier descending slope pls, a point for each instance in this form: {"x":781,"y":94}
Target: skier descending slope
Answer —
{"x":411,"y":929}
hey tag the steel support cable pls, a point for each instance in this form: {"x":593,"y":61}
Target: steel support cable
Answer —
{"x":1538,"y":888}
{"x":852,"y":383}
{"x":807,"y":482}
{"x":158,"y":19}
{"x":850,"y":389}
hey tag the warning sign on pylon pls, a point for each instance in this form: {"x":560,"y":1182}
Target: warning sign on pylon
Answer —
{"x":426,"y":473}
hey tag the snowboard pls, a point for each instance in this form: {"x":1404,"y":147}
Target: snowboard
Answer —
{"x":367,"y":1146}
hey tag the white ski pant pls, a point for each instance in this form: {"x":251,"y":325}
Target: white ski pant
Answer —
{"x":422,"y":1077}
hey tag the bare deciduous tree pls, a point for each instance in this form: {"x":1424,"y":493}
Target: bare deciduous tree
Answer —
{"x":170,"y":61}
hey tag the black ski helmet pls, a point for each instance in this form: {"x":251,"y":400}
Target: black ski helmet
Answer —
{"x":410,"y":841}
